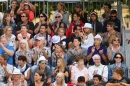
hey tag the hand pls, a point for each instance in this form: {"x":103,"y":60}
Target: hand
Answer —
{"x":101,"y":51}
{"x":22,"y":78}
{"x":95,"y":72}
{"x":9,"y":79}
{"x":62,"y":25}
{"x":2,"y":45}
{"x":93,"y":49}
{"x":22,"y":4}
{"x":73,"y":51}
{"x":62,"y":54}
{"x":82,"y":13}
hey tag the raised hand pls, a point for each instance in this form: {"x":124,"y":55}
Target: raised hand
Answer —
{"x":93,"y":49}
{"x":101,"y":51}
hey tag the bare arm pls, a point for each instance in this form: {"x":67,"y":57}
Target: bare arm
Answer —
{"x":9,"y":52}
{"x":109,"y":54}
{"x":38,"y":28}
{"x":28,"y":75}
{"x":89,"y":56}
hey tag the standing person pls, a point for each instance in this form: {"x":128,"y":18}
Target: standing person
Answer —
{"x":106,"y":14}
{"x":97,"y":26}
{"x":83,"y":14}
{"x":61,"y":9}
{"x":25,"y":20}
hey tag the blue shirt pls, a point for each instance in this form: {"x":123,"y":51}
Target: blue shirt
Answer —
{"x":97,"y":52}
{"x":10,"y":60}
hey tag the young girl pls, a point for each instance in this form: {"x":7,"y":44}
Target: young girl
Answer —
{"x":61,"y":33}
{"x":87,"y":37}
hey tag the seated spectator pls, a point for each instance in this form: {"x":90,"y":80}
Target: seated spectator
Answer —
{"x":59,"y":52}
{"x":42,"y":20}
{"x":80,"y":10}
{"x":118,"y":62}
{"x":7,"y":22}
{"x":9,"y":36}
{"x":55,"y":40}
{"x":16,"y":79}
{"x":60,"y":81}
{"x":5,"y":48}
{"x":75,"y":51}
{"x":77,"y":31}
{"x":42,"y":66}
{"x":81,"y":81}
{"x":97,"y":48}
{"x":61,"y":67}
{"x":25,"y":20}
{"x":97,"y":79}
{"x":13,"y":11}
{"x":25,"y":35}
{"x":24,"y":67}
{"x":98,"y":68}
{"x":39,"y":79}
{"x":87,"y":37}
{"x":62,"y":10}
{"x":111,"y":31}
{"x":26,"y":6}
{"x":113,"y":18}
{"x":114,"y":47}
{"x":40,"y":50}
{"x":97,"y":26}
{"x":23,"y":50}
{"x":5,"y":69}
{"x":118,"y":78}
{"x":79,"y":70}
{"x":76,"y":21}
{"x":43,"y":33}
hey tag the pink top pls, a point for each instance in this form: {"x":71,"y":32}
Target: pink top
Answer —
{"x":78,"y":72}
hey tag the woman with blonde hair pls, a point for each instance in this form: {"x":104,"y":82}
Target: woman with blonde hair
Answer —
{"x":61,"y":67}
{"x":114,"y":47}
{"x":87,"y":37}
{"x":9,"y":36}
{"x":59,"y":80}
{"x":23,"y":50}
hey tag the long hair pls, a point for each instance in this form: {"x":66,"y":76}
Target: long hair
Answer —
{"x":63,"y":64}
{"x":61,"y":75}
{"x":4,"y":18}
{"x":26,"y":43}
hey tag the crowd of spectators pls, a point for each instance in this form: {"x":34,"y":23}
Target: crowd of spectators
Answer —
{"x":86,"y":52}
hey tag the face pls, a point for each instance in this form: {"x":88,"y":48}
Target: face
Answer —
{"x":24,"y":29}
{"x":96,"y":81}
{"x":106,"y":9}
{"x":113,"y":16}
{"x":97,"y":41}
{"x":4,"y":41}
{"x":26,"y":6}
{"x":16,"y":76}
{"x":115,"y":75}
{"x":93,"y":17}
{"x":61,"y":33}
{"x":80,"y":83}
{"x":9,"y":31}
{"x":81,"y":62}
{"x":40,"y":42}
{"x":109,"y":27}
{"x":78,"y":30}
{"x":58,"y":49}
{"x":86,"y":30}
{"x":42,"y":18}
{"x":76,"y":18}
{"x":24,"y":17}
{"x":97,"y":61}
{"x":8,"y":18}
{"x":22,"y":45}
{"x":76,"y":42}
{"x":59,"y":79}
{"x":37,"y":77}
{"x":58,"y":63}
{"x":20,"y":62}
{"x":14,"y":4}
{"x":118,"y":58}
{"x":42,"y":64}
{"x":42,"y":30}
{"x":77,"y":9}
{"x":58,"y":17}
{"x":116,"y":41}
{"x":59,"y":7}
{"x":1,"y":60}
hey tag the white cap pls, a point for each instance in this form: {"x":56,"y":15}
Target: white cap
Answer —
{"x":16,"y":71}
{"x":41,"y":58}
{"x":98,"y":36}
{"x":55,"y":39}
{"x":87,"y":25}
{"x":96,"y":56}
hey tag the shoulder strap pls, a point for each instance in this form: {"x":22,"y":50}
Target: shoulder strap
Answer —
{"x":103,"y":70}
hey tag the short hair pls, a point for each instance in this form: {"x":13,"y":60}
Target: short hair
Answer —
{"x":112,"y":24}
{"x":98,"y":76}
{"x":44,"y":16}
{"x":81,"y":79}
{"x":113,"y":12}
{"x":120,"y":57}
{"x":41,"y":74}
{"x":27,"y":15}
{"x":78,"y":38}
{"x":77,"y":14}
{"x":45,"y":25}
{"x":5,"y":56}
{"x":22,"y":57}
{"x":6,"y":28}
{"x":75,"y":27}
{"x":80,"y":57}
{"x":119,"y":71}
{"x":25,"y":25}
{"x":109,"y":5}
{"x":113,"y":37}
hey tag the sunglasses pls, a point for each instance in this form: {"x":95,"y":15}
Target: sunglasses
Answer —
{"x":117,"y":57}
{"x":57,"y":17}
{"x":41,"y":16}
{"x":113,"y":16}
{"x":43,"y":63}
{"x":23,"y":16}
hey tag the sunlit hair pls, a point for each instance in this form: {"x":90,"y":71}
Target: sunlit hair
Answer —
{"x":113,"y":37}
{"x":63,"y":64}
{"x":6,"y":28}
{"x":3,"y":37}
{"x":27,"y":15}
{"x":62,"y":5}
{"x":4,"y":18}
{"x":61,"y":29}
{"x":90,"y":31}
{"x":61,"y":75}
{"x":26,"y":43}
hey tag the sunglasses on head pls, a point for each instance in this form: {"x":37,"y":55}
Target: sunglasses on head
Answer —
{"x":57,"y":16}
{"x":43,"y":63}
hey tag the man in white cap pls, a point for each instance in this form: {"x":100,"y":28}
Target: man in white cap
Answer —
{"x":97,"y":68}
{"x":42,"y":65}
{"x":97,"y":49}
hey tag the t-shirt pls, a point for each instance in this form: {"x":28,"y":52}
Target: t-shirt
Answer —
{"x":44,"y":84}
{"x":124,"y":80}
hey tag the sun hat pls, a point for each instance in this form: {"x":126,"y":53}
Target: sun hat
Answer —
{"x":87,"y":25}
{"x":55,"y":39}
{"x":98,"y":36}
{"x":41,"y":58}
{"x":16,"y":71}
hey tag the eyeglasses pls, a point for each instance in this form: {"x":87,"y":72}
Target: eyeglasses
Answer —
{"x":113,"y":16}
{"x":23,"y":16}
{"x":43,"y":63}
{"x":57,"y":17}
{"x":41,"y":16}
